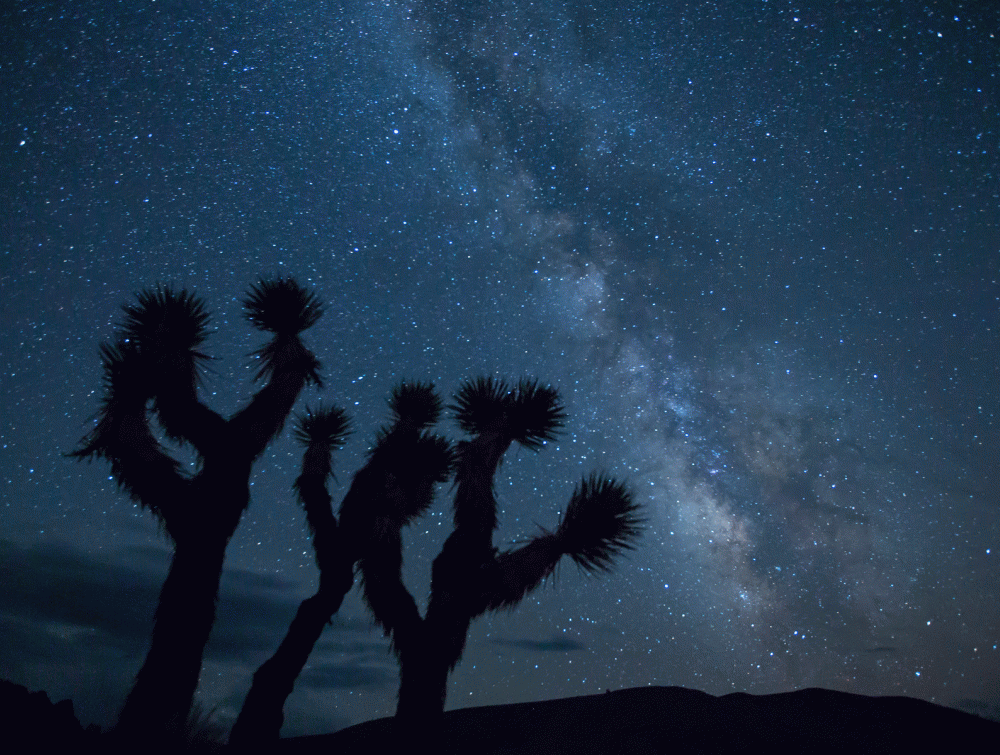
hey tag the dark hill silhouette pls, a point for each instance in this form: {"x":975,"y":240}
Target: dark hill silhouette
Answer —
{"x":677,"y":720}
{"x":31,"y":722}
{"x":637,"y":721}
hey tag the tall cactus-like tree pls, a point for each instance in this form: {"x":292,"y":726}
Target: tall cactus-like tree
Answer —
{"x":152,"y":370}
{"x":470,"y":576}
{"x":393,"y":487}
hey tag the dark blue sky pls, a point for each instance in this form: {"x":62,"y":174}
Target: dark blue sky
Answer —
{"x":756,"y":246}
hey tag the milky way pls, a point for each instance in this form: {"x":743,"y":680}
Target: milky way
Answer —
{"x":755,"y":246}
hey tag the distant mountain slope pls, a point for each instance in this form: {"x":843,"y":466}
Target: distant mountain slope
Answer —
{"x":676,"y":720}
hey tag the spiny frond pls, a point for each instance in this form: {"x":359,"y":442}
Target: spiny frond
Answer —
{"x":536,"y":413}
{"x":431,"y":457}
{"x":480,"y":404}
{"x":382,"y":588}
{"x":287,"y":352}
{"x":415,"y":463}
{"x":281,"y":306}
{"x":516,"y":573}
{"x":326,"y":426}
{"x":601,"y":521}
{"x":122,"y":436}
{"x":167,"y":326}
{"x":163,"y":313}
{"x":415,"y":405}
{"x":126,"y":373}
{"x":126,"y":391}
{"x":528,"y":413}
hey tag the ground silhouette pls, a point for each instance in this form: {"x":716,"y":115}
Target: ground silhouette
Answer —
{"x":638,"y":721}
{"x":647,"y":720}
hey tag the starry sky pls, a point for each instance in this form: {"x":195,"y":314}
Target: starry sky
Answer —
{"x":755,"y":244}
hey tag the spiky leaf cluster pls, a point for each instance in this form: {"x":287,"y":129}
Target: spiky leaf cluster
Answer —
{"x":326,"y":426}
{"x":431,"y":458}
{"x":167,"y":326}
{"x":125,"y":394}
{"x":536,"y":413}
{"x":125,"y":373}
{"x":287,"y":353}
{"x":601,"y":521}
{"x":480,"y":404}
{"x":416,"y":464}
{"x":123,"y":436}
{"x":529,"y":413}
{"x":281,"y":306}
{"x":178,"y":319}
{"x":415,"y":405}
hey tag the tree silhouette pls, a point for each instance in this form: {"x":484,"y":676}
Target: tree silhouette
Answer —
{"x":470,"y":576}
{"x":393,"y":487}
{"x":153,"y":369}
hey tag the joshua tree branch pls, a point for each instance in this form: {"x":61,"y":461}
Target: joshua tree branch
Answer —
{"x":262,"y":715}
{"x":382,"y":586}
{"x":253,"y":427}
{"x":166,"y":329}
{"x":150,"y":476}
{"x":515,"y":573}
{"x":187,"y":419}
{"x":601,"y":521}
{"x":475,"y":505}
{"x":123,"y":437}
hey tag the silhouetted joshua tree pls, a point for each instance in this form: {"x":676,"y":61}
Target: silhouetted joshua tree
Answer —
{"x":470,"y":576}
{"x":389,"y":491}
{"x":153,"y":368}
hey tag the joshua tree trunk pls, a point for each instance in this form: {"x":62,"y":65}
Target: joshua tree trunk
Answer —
{"x":262,"y":715}
{"x":165,"y":685}
{"x":423,"y":681}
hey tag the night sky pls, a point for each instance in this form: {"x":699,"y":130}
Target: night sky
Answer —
{"x":756,"y":245}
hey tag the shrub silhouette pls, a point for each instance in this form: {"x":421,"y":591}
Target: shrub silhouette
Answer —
{"x":152,"y":369}
{"x":470,"y":576}
{"x":392,"y":488}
